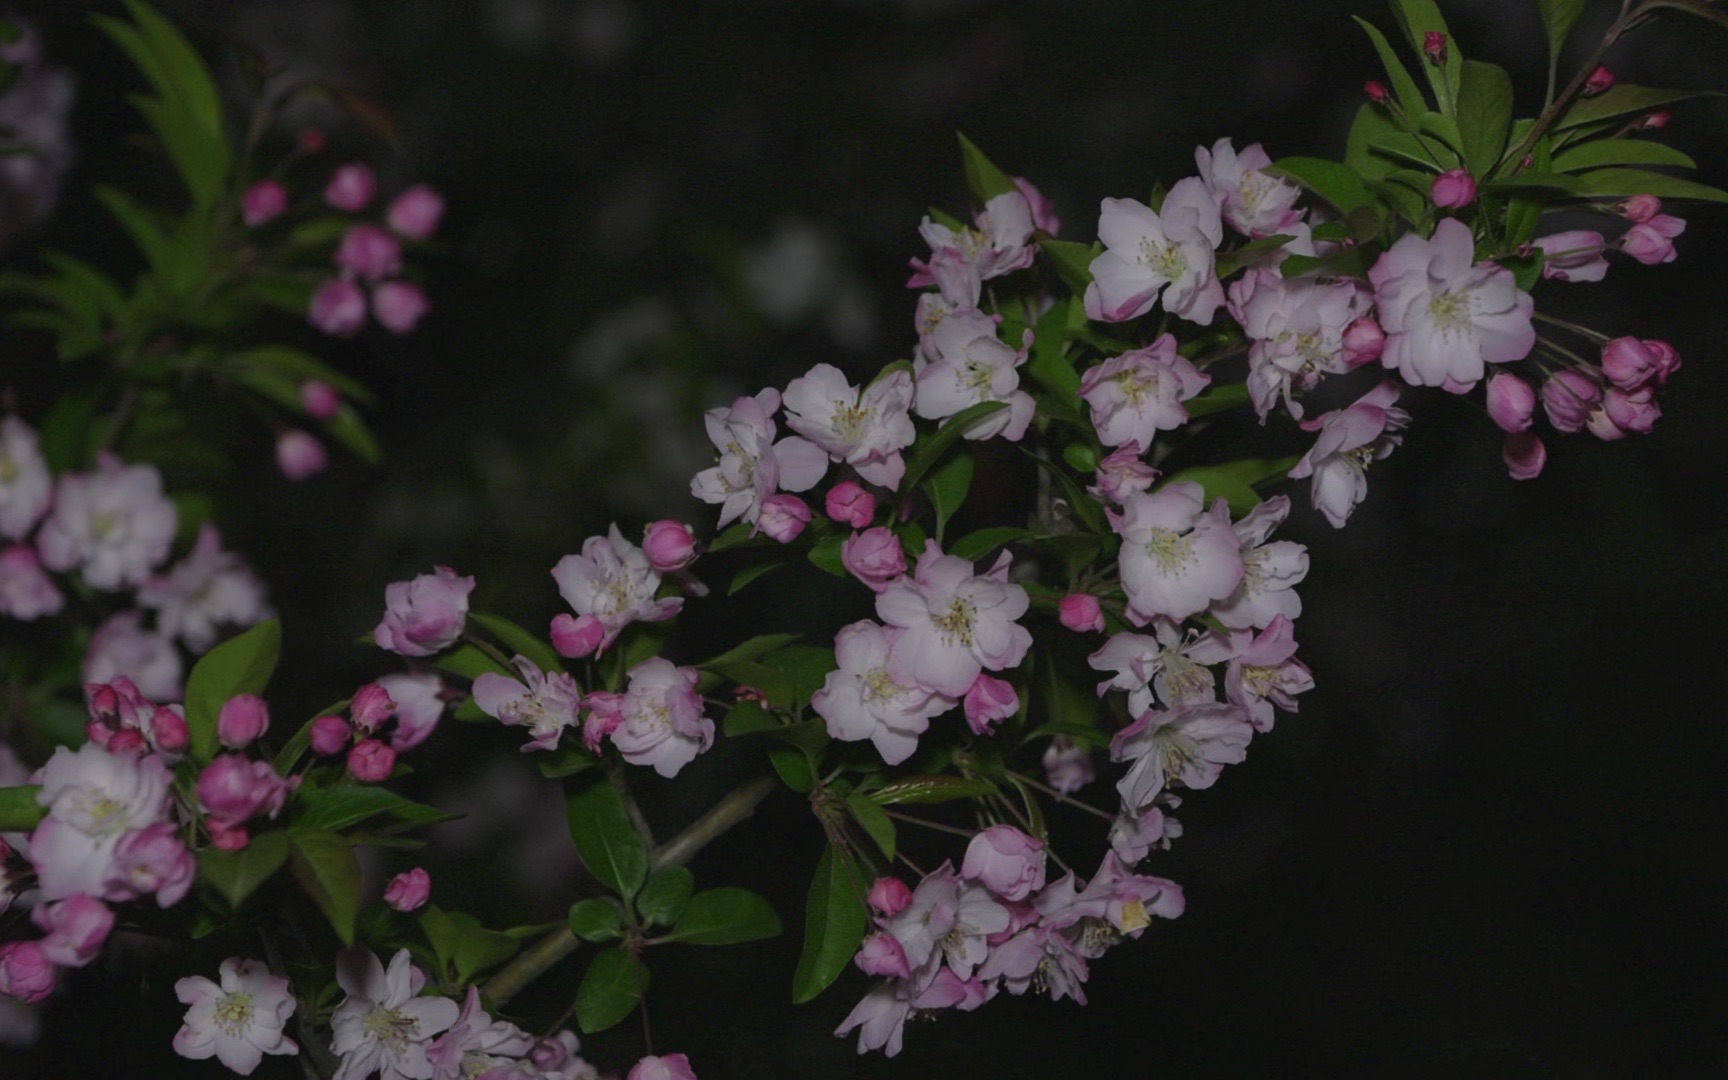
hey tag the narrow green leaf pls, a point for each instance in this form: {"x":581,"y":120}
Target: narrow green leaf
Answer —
{"x":662,"y":899}
{"x":1218,"y":399}
{"x":1073,"y":261}
{"x":596,"y":919}
{"x":1248,"y":254}
{"x":1484,"y":115}
{"x":946,"y":436}
{"x":479,"y":949}
{"x":471,"y":661}
{"x":609,"y":844}
{"x":519,"y":640}
{"x":947,"y":485}
{"x":826,"y":554}
{"x":974,"y":545}
{"x":748,"y":650}
{"x":235,"y":875}
{"x":611,"y":989}
{"x":298,"y":367}
{"x":725,"y":916}
{"x":1701,"y":8}
{"x":1404,"y":86}
{"x":1620,"y":183}
{"x":1333,"y":181}
{"x":1534,"y":180}
{"x":1620,"y":100}
{"x":1235,"y":480}
{"x":19,"y":811}
{"x":982,"y":176}
{"x":751,"y":573}
{"x":931,"y":789}
{"x":1418,"y":18}
{"x":874,"y":820}
{"x":1557,"y":19}
{"x":347,"y":428}
{"x":336,"y":808}
{"x":1601,"y":152}
{"x":240,"y":665}
{"x":747,"y":718}
{"x":324,"y":865}
{"x":834,"y":924}
{"x":182,"y":73}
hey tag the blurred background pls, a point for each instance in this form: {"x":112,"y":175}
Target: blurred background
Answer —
{"x":1492,"y":841}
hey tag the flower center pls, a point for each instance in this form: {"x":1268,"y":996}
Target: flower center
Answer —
{"x":957,"y":622}
{"x":849,"y":421}
{"x":1165,"y":260}
{"x":233,"y":1014}
{"x":392,"y":1027}
{"x":878,"y":685}
{"x":1170,"y":550}
{"x":1451,"y":311}
{"x":8,"y":470}
{"x":1136,"y":387}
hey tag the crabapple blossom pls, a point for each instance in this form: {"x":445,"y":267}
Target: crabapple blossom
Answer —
{"x":1133,"y":836}
{"x":1364,"y":341}
{"x":351,"y":187}
{"x":861,"y":700}
{"x":1446,"y":315}
{"x":330,"y":735}
{"x":1511,"y":402}
{"x":1081,"y":613}
{"x":25,"y":973}
{"x":1177,"y":557}
{"x":1000,"y":242}
{"x":399,"y":305}
{"x":426,"y":615}
{"x":658,"y":720}
{"x":1624,"y":412}
{"x":1453,"y":189}
{"x":970,"y":365}
{"x":1044,"y":217}
{"x":882,"y":954}
{"x":415,"y":213}
{"x":1629,"y":363}
{"x":669,"y":545}
{"x":419,"y":701}
{"x":670,"y":1067}
{"x":577,"y":637}
{"x":114,"y":525}
{"x":409,"y":890}
{"x":1038,"y":957}
{"x":874,"y":557}
{"x":238,"y":1020}
{"x":478,"y":1046}
{"x":262,"y":202}
{"x":1136,"y":394}
{"x":236,"y":788}
{"x":783,"y":517}
{"x":989,"y":700}
{"x":1524,"y":455}
{"x":1300,"y":329}
{"x":338,"y":308}
{"x":319,"y":399}
{"x":614,"y":581}
{"x":1350,"y":440}
{"x":299,"y":454}
{"x":93,"y":798}
{"x":122,"y":647}
{"x":1254,"y":203}
{"x":889,"y":895}
{"x":1262,"y":669}
{"x":1067,"y":765}
{"x":26,"y":485}
{"x":1123,"y":473}
{"x":370,"y":707}
{"x":1575,"y":255}
{"x":957,"y":622}
{"x":1651,"y":241}
{"x":208,"y":589}
{"x":371,"y":761}
{"x":383,"y":1026}
{"x":1006,"y":861}
{"x":26,"y":592}
{"x":752,"y":464}
{"x":1169,"y":251}
{"x":544,"y":703}
{"x":152,"y":860}
{"x":1189,"y":744}
{"x":865,"y":427}
{"x":849,"y":504}
{"x":369,"y":253}
{"x":1270,"y":571}
{"x":1147,"y":666}
{"x":74,"y":929}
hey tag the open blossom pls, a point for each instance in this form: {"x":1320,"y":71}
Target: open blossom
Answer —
{"x":1154,"y":668}
{"x":1169,"y":251}
{"x":1262,"y":669}
{"x":235,"y":788}
{"x":1122,"y":473}
{"x":1445,"y":314}
{"x":73,"y":929}
{"x":863,"y":427}
{"x":93,"y":798}
{"x":208,"y":589}
{"x":970,"y":365}
{"x":478,"y":1046}
{"x":26,"y":485}
{"x":1189,"y":744}
{"x":614,"y":582}
{"x":1000,"y":242}
{"x":1067,"y":765}
{"x":658,"y":720}
{"x":152,"y":861}
{"x":1271,"y":570}
{"x":369,"y":253}
{"x":426,"y":615}
{"x":113,"y":524}
{"x":419,"y":701}
{"x":669,"y":1067}
{"x":752,"y":464}
{"x":121,"y":647}
{"x":383,"y":1026}
{"x":861,"y":700}
{"x":1300,"y":330}
{"x":1136,"y":394}
{"x":957,"y":622}
{"x":237,"y":1021}
{"x":26,"y":592}
{"x":1177,"y":556}
{"x":545,"y":704}
{"x":1254,"y":203}
{"x":25,"y":974}
{"x":1350,"y":440}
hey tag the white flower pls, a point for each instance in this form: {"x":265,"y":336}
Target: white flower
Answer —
{"x":957,"y":622}
{"x":1146,"y":251}
{"x":114,"y":523}
{"x":1271,"y":571}
{"x":861,"y":700}
{"x":970,"y":365}
{"x":121,"y":646}
{"x":93,"y":798}
{"x":865,"y":428}
{"x":25,"y":483}
{"x":1189,"y":744}
{"x":207,"y":589}
{"x":752,"y":465}
{"x":612,"y":581}
{"x":1254,"y":203}
{"x":239,"y":1021}
{"x":1177,"y":556}
{"x":383,"y":1026}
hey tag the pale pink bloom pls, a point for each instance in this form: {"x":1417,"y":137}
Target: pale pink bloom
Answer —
{"x":264,"y":201}
{"x":1123,"y":473}
{"x":990,"y":699}
{"x":1270,"y":571}
{"x":1254,"y":203}
{"x":1134,"y":835}
{"x":152,"y":860}
{"x":25,"y":974}
{"x":26,"y":592}
{"x":958,"y":290}
{"x":399,"y":305}
{"x":93,"y":799}
{"x":369,"y":252}
{"x":1446,"y":315}
{"x":669,"y":545}
{"x":320,"y":399}
{"x":882,"y":954}
{"x":1147,"y":252}
{"x":970,"y":365}
{"x":409,"y":890}
{"x":1453,"y":189}
{"x":330,"y":735}
{"x":1067,"y":765}
{"x":1177,"y":556}
{"x":419,"y":700}
{"x":1263,"y":670}
{"x":782,"y":517}
{"x":1043,"y":210}
{"x":26,"y":485}
{"x":236,"y":788}
{"x":889,"y":895}
{"x":1300,"y":331}
{"x":1524,"y":455}
{"x":1575,"y":255}
{"x":238,"y":1021}
{"x":74,"y":929}
{"x":121,"y":647}
{"x":670,"y":1067}
{"x":1081,"y":613}
{"x":338,"y":308}
{"x":1568,"y":397}
{"x":1511,"y":402}
{"x":1134,"y":395}
{"x":113,"y":524}
{"x":299,"y":454}
{"x":477,"y":1046}
{"x":861,"y":700}
{"x":752,"y":464}
{"x":658,"y":719}
{"x":1000,"y":242}
{"x":1639,"y":208}
{"x":1125,"y":900}
{"x":242,"y":720}
{"x":849,"y":504}
{"x":426,"y":615}
{"x":383,"y":1026}
{"x":371,"y":761}
{"x":1629,"y":363}
{"x":1006,"y":861}
{"x":866,"y":427}
{"x":545,"y":704}
{"x":874,"y":557}
{"x":1350,"y":440}
{"x":1154,"y":668}
{"x":415,"y":213}
{"x":1189,"y":744}
{"x":577,"y":637}
{"x":880,"y":1019}
{"x":614,"y":581}
{"x":1651,"y":241}
{"x":208,"y":589}
{"x":958,"y":622}
{"x":1038,"y":958}
{"x":350,"y":188}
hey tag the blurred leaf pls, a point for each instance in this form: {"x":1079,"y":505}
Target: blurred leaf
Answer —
{"x":662,"y":898}
{"x":596,"y":919}
{"x":471,"y":661}
{"x":1049,"y":365}
{"x":562,"y":760}
{"x":326,"y":868}
{"x":834,"y":924}
{"x":606,"y":839}
{"x":235,"y":875}
{"x":826,"y":554}
{"x":1619,"y":100}
{"x":947,"y":485}
{"x":1620,"y":183}
{"x":1600,"y":152}
{"x":611,"y":989}
{"x":240,"y":665}
{"x":19,"y":811}
{"x":982,"y":176}
{"x":347,"y":428}
{"x":931,"y":789}
{"x":725,"y":916}
{"x":1557,"y":19}
{"x":519,"y":640}
{"x":297,"y":367}
{"x":1484,"y":115}
{"x":463,"y":943}
{"x":874,"y":820}
{"x":1701,"y":8}
{"x":1248,"y":254}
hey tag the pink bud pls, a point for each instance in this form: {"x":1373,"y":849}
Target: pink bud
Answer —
{"x":416,"y":212}
{"x":670,"y":1067}
{"x":408,"y":890}
{"x":370,"y":707}
{"x":1655,"y":120}
{"x":350,"y":188}
{"x":849,"y":504}
{"x":235,"y":788}
{"x":874,"y":557}
{"x":330,"y":735}
{"x":882,"y":955}
{"x":1567,"y":397}
{"x":311,"y":141}
{"x":1080,"y":612}
{"x":669,"y":545}
{"x":299,"y":454}
{"x":1364,"y":341}
{"x":990,"y":699}
{"x":1376,"y":91}
{"x":1628,"y":363}
{"x":244,"y":717}
{"x":1007,"y":861}
{"x":127,"y":742}
{"x":262,"y":202}
{"x":890,"y":896}
{"x":1667,"y":359}
{"x":1511,"y":402}
{"x":370,"y":252}
{"x":783,"y":517}
{"x":371,"y":761}
{"x":1651,"y":241}
{"x":1453,"y":188}
{"x":1632,"y":411}
{"x":75,"y":927}
{"x":25,"y":973}
{"x":1524,"y":455}
{"x":227,"y":836}
{"x":168,"y":729}
{"x":1598,"y":81}
{"x":577,"y":637}
{"x":552,"y":1052}
{"x":1067,"y":765}
{"x":399,"y":306}
{"x":338,"y":308}
{"x":426,"y":615}
{"x":1434,"y":47}
{"x":320,"y":399}
{"x":1639,"y":208}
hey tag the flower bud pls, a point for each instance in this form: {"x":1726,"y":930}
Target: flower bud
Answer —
{"x":320,"y":399}
{"x":1598,"y":81}
{"x":1080,"y":612}
{"x":890,"y":896}
{"x":1453,"y":188}
{"x":1567,"y":397}
{"x":1639,"y":208}
{"x":371,"y":761}
{"x":1633,"y":411}
{"x":1363,"y":342}
{"x":669,"y":545}
{"x":1006,"y":861}
{"x":330,"y":735}
{"x":228,"y":836}
{"x":338,"y":308}
{"x":262,"y":202}
{"x":1434,"y":47}
{"x":1067,"y":765}
{"x":577,"y":637}
{"x":370,"y":707}
{"x":244,"y":717}
{"x":1376,"y":91}
{"x":1667,"y":359}
{"x":1123,"y":473}
{"x":299,"y":454}
{"x":1628,"y":363}
{"x":1655,"y":120}
{"x":235,"y":788}
{"x":988,"y":700}
{"x":1651,"y":242}
{"x":369,"y":252}
{"x":25,"y":973}
{"x":1511,"y":402}
{"x":408,"y":890}
{"x":426,"y":615}
{"x":168,"y":729}
{"x":399,"y":306}
{"x":415,"y":213}
{"x":75,"y":927}
{"x":782,"y":517}
{"x":1524,"y":455}
{"x":849,"y":504}
{"x":351,"y":187}
{"x":882,"y":955}
{"x":152,"y":860}
{"x":874,"y":557}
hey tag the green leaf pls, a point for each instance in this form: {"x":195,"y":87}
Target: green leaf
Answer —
{"x":662,"y":899}
{"x":982,"y":176}
{"x":1620,"y":100}
{"x":931,"y":789}
{"x":1404,"y":86}
{"x":946,"y":436}
{"x":1418,"y":18}
{"x":1235,"y":480}
{"x":977,"y":544}
{"x":1600,"y":152}
{"x":1701,"y":8}
{"x":235,"y":875}
{"x":1218,"y":399}
{"x":562,"y":760}
{"x":606,"y":839}
{"x":1620,"y":183}
{"x":596,"y":919}
{"x":947,"y":485}
{"x":1248,"y":254}
{"x":874,"y":820}
{"x":611,"y":989}
{"x":297,"y":367}
{"x":324,"y":865}
{"x":347,"y":428}
{"x":725,"y":916}
{"x":834,"y":924}
{"x":793,"y":768}
{"x":756,"y":647}
{"x":747,"y":718}
{"x":826,"y":554}
{"x":1534,"y":180}
{"x":336,"y":808}
{"x":1073,"y":261}
{"x":177,"y":71}
{"x":1337,"y":183}
{"x":1557,"y":19}
{"x":240,"y":665}
{"x":471,"y":661}
{"x":519,"y":640}
{"x":1484,"y":115}
{"x":751,"y":573}
{"x":463,"y":944}
{"x":19,"y":811}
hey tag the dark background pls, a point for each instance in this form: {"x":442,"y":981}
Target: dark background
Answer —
{"x":1492,"y":841}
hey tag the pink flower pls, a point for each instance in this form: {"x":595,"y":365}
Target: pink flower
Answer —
{"x":350,"y":188}
{"x":114,"y":524}
{"x":1147,"y":253}
{"x":244,"y":717}
{"x":369,"y":252}
{"x":1270,"y":570}
{"x":659,"y":719}
{"x":669,"y":545}
{"x":75,"y":927}
{"x":264,"y":201}
{"x":1253,"y":202}
{"x":1640,"y":208}
{"x":1511,"y":402}
{"x":1625,"y":411}
{"x":849,"y":504}
{"x":1263,"y":670}
{"x":1044,"y":217}
{"x":1081,"y":613}
{"x":338,"y":308}
{"x":330,"y":735}
{"x":1599,"y":80}
{"x":409,"y":890}
{"x":670,"y":1067}
{"x":1363,"y":342}
{"x":957,"y":622}
{"x":26,"y":484}
{"x":238,"y":1021}
{"x":1006,"y":861}
{"x":614,"y":581}
{"x":889,"y":895}
{"x":783,"y":517}
{"x":577,"y":637}
{"x":1651,"y":241}
{"x":861,"y":700}
{"x":320,"y":399}
{"x":1123,"y":473}
{"x":752,"y":464}
{"x":1301,"y":330}
{"x":1190,"y":744}
{"x":1000,"y":243}
{"x":1136,"y":394}
{"x":545,"y":704}
{"x":989,"y":700}
{"x":1453,"y":189}
{"x":122,"y":648}
{"x":371,"y":761}
{"x":424,"y":616}
{"x":1177,"y":557}
{"x":371,"y":706}
{"x":882,"y":954}
{"x":1350,"y":440}
{"x":25,"y":973}
{"x":93,"y":798}
{"x":1434,"y":47}
{"x":1575,"y":255}
{"x":864,"y":427}
{"x":1524,"y":455}
{"x":152,"y":860}
{"x":419,"y":701}
{"x":399,"y":306}
{"x":969,"y":365}
{"x":874,"y":557}
{"x":1067,"y":765}
{"x":415,"y":213}
{"x":235,"y":788}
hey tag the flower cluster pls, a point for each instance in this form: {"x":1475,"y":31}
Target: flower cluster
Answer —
{"x":368,"y":260}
